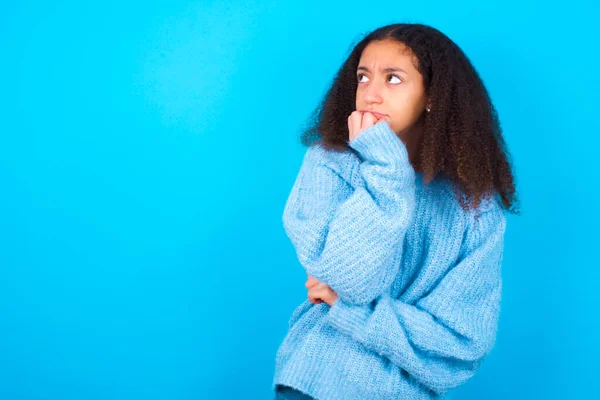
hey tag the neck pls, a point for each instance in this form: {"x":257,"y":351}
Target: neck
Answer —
{"x":413,"y":147}
{"x":412,"y":139}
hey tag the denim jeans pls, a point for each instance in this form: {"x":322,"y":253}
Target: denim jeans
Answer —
{"x":287,"y":393}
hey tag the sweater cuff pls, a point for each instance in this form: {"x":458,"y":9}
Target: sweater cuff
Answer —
{"x":348,"y":317}
{"x":379,"y":142}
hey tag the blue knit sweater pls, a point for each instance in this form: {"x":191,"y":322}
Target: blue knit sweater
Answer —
{"x":418,"y":278}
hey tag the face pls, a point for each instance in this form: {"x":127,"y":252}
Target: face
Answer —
{"x":389,"y":83}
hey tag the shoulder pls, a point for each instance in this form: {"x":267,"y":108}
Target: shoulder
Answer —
{"x":490,"y":210}
{"x":486,"y":220}
{"x":486,"y":225}
{"x":490,"y":207}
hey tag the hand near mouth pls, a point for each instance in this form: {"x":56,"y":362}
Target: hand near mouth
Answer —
{"x":358,"y":121}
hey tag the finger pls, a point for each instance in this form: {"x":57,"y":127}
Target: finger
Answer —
{"x":310,"y":282}
{"x":356,"y":118}
{"x":354,"y":124}
{"x":315,"y":291}
{"x":385,"y":118}
{"x":314,"y":297}
{"x":329,"y":297}
{"x":350,"y":135}
{"x":320,"y":291}
{"x":357,"y":121}
{"x":367,"y":121}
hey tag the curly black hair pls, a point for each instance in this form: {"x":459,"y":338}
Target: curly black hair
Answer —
{"x":462,"y":139}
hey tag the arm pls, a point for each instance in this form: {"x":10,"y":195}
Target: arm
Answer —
{"x":442,"y":339}
{"x":350,"y":237}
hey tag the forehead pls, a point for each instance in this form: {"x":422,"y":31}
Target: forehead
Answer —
{"x":388,"y":53}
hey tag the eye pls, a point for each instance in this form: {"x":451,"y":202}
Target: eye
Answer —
{"x":399,"y":80}
{"x":396,"y":76}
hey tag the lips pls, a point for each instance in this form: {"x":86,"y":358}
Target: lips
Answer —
{"x":376,"y":114}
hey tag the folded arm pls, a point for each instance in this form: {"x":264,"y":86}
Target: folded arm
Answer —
{"x":350,"y":236}
{"x":441,"y":339}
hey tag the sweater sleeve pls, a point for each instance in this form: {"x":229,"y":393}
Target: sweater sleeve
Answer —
{"x":442,"y":339}
{"x":349,"y":236}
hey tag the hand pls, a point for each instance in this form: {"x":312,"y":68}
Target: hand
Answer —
{"x":359,"y":121}
{"x":318,"y":292}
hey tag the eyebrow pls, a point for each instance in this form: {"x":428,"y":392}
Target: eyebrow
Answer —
{"x":388,"y":69}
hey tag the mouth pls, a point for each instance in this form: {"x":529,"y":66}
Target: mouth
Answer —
{"x":376,"y":114}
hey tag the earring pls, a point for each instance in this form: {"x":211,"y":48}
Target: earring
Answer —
{"x":428,"y":109}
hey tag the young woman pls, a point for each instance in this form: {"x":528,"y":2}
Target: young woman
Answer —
{"x":398,"y":217}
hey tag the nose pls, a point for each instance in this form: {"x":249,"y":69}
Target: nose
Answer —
{"x":372,"y":93}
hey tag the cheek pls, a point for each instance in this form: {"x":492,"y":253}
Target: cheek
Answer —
{"x":402,"y":120}
{"x":407,"y":110}
{"x":358,"y":104}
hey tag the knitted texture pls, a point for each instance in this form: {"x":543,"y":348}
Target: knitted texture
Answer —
{"x":418,"y":278}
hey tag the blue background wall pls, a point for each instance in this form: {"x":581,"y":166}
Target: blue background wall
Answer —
{"x":147,"y":150}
